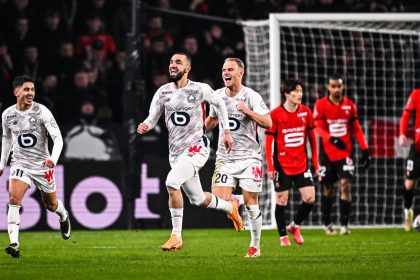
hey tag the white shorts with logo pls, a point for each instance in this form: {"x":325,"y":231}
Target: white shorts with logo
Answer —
{"x":43,"y":180}
{"x":245,"y":173}
{"x":196,"y":154}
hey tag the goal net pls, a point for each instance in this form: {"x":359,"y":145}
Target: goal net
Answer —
{"x":379,"y":56}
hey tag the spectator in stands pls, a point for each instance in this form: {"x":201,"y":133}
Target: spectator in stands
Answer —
{"x":190,"y":45}
{"x":31,"y":65}
{"x":155,"y":28}
{"x":94,"y":35}
{"x":116,"y":85}
{"x":7,"y":73}
{"x":66,"y":64}
{"x":51,"y":34}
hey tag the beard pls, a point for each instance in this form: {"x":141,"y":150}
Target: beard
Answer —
{"x":177,"y":77}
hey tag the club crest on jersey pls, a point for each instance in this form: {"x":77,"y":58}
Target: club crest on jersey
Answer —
{"x":191,"y":95}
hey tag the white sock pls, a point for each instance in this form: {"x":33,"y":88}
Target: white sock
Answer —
{"x":220,"y":204}
{"x":239,"y":197}
{"x":61,"y":211}
{"x":177,"y":216}
{"x":255,"y":224}
{"x":13,"y":222}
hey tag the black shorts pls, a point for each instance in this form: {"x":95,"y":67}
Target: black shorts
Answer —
{"x":331,"y":171}
{"x":413,"y":164}
{"x":289,"y":181}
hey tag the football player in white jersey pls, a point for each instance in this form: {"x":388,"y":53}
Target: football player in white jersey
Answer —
{"x":242,"y":166}
{"x":25,"y":128}
{"x":182,"y":101}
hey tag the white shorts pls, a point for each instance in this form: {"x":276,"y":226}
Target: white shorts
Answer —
{"x":43,"y":180}
{"x":247,"y":173}
{"x":197,"y":155}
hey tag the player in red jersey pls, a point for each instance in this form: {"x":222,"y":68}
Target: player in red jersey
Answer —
{"x":335,"y":119}
{"x":293,"y":123}
{"x":413,"y":160}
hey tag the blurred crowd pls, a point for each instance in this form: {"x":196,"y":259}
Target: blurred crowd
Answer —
{"x":76,"y":50}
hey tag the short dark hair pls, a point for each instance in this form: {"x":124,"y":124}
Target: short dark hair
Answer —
{"x":20,"y":80}
{"x":288,"y":86}
{"x":335,"y":77}
{"x":187,"y":55}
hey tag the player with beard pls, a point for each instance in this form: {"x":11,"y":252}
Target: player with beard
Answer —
{"x":336,"y":119}
{"x":182,"y":101}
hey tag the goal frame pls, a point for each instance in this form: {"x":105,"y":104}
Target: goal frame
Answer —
{"x":274,"y":35}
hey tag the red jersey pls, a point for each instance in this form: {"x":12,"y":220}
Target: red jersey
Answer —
{"x":413,"y":106}
{"x":338,"y":120}
{"x":290,"y":130}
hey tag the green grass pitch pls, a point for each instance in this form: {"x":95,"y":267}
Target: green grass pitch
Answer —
{"x":213,"y":254}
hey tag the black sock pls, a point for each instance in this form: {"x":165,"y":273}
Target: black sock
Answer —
{"x":408,"y":198}
{"x":281,"y":220}
{"x":345,"y":208}
{"x":303,"y":212}
{"x":326,"y":206}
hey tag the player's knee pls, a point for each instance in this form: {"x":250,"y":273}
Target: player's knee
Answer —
{"x":173,"y":181}
{"x":309,"y":199}
{"x":197,"y":199}
{"x":51,"y":205}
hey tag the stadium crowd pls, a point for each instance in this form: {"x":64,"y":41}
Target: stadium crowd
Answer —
{"x":76,"y":50}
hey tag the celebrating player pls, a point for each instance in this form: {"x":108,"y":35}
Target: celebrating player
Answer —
{"x":242,"y":166}
{"x":335,"y":119}
{"x":293,"y":123}
{"x":182,"y":100}
{"x":25,"y":129}
{"x":413,"y":160}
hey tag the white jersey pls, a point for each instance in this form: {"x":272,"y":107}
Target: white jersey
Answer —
{"x":25,"y":133}
{"x":242,"y":127}
{"x":184,"y":113}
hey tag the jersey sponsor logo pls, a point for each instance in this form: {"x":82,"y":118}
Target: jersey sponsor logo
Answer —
{"x":337,"y":129}
{"x":294,"y":139}
{"x":257,"y":171}
{"x":166,"y":92}
{"x":234,"y":124}
{"x":346,"y":107}
{"x":11,"y":116}
{"x":49,"y":176}
{"x":180,"y":118}
{"x":193,"y":150}
{"x":27,"y":140}
{"x":294,"y":129}
{"x":302,"y":114}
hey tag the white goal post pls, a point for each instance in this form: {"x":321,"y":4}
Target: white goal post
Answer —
{"x":379,"y":56}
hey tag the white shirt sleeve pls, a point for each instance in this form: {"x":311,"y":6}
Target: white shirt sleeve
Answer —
{"x":258,"y":105}
{"x":210,"y":96}
{"x":6,"y":144}
{"x":155,"y":111}
{"x":54,"y":131}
